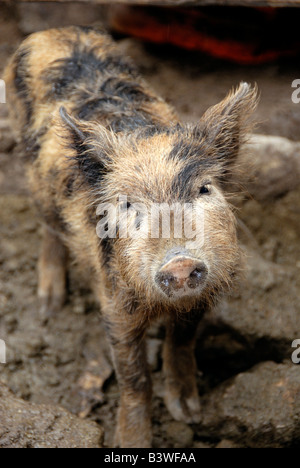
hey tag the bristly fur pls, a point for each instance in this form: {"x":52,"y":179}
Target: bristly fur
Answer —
{"x":93,"y":130}
{"x":21,"y":82}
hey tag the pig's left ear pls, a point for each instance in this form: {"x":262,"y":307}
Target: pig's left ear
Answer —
{"x":91,"y":142}
{"x":226,"y":124}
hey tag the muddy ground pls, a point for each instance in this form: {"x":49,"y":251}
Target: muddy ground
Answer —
{"x":244,"y":347}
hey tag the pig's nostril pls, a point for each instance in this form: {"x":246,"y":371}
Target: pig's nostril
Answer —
{"x":196,"y":273}
{"x":196,"y":277}
{"x":165,"y":281}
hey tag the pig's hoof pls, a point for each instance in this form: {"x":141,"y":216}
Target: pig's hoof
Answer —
{"x":183,"y":409}
{"x":133,"y":442}
{"x":117,"y":438}
{"x":50,"y":307}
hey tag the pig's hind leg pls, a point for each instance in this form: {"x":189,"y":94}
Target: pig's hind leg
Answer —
{"x":180,"y":370}
{"x":52,"y":274}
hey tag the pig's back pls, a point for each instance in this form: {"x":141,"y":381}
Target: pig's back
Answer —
{"x":82,"y":69}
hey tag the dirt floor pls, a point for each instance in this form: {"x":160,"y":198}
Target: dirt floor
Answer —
{"x":57,"y":363}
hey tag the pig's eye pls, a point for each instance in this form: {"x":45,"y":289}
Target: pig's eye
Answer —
{"x":125,"y":206}
{"x":205,"y":189}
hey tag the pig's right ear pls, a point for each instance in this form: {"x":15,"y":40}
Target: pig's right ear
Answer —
{"x":226,"y":125}
{"x":91,"y":141}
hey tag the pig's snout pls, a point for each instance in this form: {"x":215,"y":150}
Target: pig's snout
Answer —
{"x":182,"y":276}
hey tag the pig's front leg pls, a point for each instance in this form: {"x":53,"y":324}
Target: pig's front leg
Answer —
{"x":129,"y":354}
{"x":180,"y":369}
{"x":52,"y":274}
